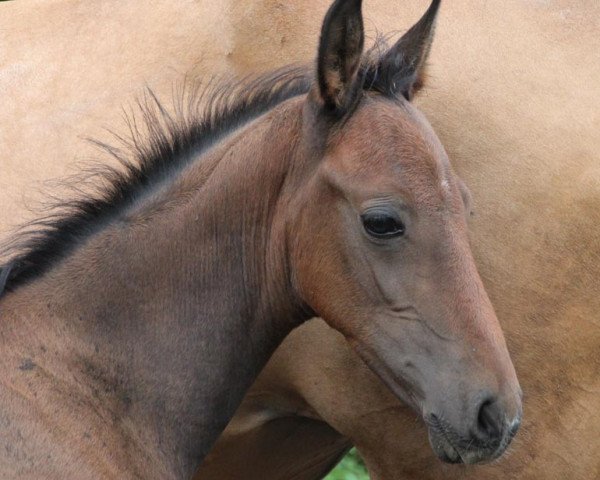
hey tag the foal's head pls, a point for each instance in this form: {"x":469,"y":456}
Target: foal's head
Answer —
{"x":380,"y":247}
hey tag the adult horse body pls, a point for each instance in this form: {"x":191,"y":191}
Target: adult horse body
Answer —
{"x":133,"y":323}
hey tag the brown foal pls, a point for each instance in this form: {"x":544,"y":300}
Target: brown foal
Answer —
{"x":133,"y":324}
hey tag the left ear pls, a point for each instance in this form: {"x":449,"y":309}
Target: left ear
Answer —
{"x":340,"y":50}
{"x":402,"y":67}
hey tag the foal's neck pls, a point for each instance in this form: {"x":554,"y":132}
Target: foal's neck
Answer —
{"x":172,"y":311}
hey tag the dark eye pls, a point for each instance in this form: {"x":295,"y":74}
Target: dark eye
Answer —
{"x":382,"y":225}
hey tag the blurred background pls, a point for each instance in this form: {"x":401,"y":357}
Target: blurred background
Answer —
{"x":350,"y":468}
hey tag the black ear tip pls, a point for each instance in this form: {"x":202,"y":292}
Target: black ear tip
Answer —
{"x":433,"y":9}
{"x":337,"y":13}
{"x":350,"y":4}
{"x":434,"y":6}
{"x":341,"y":8}
{"x":430,"y":16}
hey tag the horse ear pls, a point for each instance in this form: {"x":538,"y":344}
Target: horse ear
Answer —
{"x":402,"y":67}
{"x":340,"y":51}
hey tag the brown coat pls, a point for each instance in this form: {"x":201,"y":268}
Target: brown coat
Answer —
{"x":514,"y":98}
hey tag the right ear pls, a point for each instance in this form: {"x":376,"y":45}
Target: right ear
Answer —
{"x":402,"y":68}
{"x":340,"y":52}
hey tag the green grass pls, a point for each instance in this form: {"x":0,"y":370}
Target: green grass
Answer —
{"x":350,"y":468}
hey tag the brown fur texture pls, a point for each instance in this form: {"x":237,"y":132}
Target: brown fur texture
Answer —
{"x":149,"y":310}
{"x":512,"y":92}
{"x":535,"y":231}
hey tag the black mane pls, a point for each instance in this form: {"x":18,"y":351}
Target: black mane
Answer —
{"x":202,"y":115}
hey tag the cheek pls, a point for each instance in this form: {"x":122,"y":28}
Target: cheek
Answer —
{"x":336,"y":278}
{"x":390,"y":276}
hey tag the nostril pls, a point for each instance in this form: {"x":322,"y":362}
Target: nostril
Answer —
{"x":489,"y":420}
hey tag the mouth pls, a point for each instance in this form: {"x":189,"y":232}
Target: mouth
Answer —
{"x":443,"y":447}
{"x":447,"y":446}
{"x":450,"y":455}
{"x":438,"y":439}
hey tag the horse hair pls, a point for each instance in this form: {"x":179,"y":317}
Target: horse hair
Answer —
{"x":166,"y":142}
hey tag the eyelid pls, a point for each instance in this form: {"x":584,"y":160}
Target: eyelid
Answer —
{"x":381,"y":212}
{"x":398,"y":210}
{"x":387,"y":203}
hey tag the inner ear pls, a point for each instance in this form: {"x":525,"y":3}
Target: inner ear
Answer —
{"x":340,"y":51}
{"x":401,"y":70}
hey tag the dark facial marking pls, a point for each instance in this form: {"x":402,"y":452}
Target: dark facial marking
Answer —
{"x":27,"y":365}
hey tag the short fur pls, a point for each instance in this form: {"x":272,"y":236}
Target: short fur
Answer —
{"x":165,"y":143}
{"x":149,"y":332}
{"x":172,"y":141}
